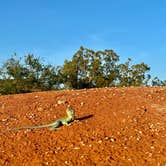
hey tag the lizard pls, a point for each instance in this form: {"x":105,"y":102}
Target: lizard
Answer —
{"x":52,"y":126}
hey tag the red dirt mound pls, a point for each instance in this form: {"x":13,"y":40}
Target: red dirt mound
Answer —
{"x":117,"y":126}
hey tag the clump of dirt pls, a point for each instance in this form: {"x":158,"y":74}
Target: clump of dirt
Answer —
{"x":117,"y":126}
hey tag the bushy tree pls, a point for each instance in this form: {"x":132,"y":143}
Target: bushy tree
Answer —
{"x":20,"y":75}
{"x":86,"y":69}
{"x":157,"y":82}
{"x":90,"y":69}
{"x":101,"y":69}
{"x":133,"y":75}
{"x":13,"y":74}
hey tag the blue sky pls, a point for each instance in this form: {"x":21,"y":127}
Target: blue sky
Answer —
{"x":55,"y":29}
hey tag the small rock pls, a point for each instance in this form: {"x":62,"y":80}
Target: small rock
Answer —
{"x":76,"y":148}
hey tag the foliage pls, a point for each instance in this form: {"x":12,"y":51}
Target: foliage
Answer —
{"x":27,"y":75}
{"x":90,"y":69}
{"x":133,"y":75}
{"x":101,"y":69}
{"x":157,"y":82}
{"x":86,"y":69}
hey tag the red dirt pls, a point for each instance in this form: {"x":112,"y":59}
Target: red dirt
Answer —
{"x":117,"y":126}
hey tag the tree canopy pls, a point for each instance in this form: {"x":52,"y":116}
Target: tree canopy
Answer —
{"x":86,"y":69}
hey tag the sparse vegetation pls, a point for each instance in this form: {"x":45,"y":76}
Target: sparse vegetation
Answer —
{"x":86,"y":69}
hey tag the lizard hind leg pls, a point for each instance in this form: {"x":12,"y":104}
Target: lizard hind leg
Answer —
{"x":54,"y":128}
{"x":55,"y":125}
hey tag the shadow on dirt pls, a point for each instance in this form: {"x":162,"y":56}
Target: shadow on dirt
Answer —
{"x":85,"y":117}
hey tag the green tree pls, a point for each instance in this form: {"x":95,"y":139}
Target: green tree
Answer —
{"x":124,"y":75}
{"x":90,"y":69}
{"x":157,"y":82}
{"x":50,"y":78}
{"x":133,"y":75}
{"x":27,"y":75}
{"x":13,"y":74}
{"x":86,"y":69}
{"x":35,"y":68}
{"x":139,"y":76}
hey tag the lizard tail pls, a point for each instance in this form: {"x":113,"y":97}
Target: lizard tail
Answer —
{"x":26,"y":127}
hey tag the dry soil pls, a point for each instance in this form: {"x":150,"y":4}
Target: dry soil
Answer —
{"x":117,"y":127}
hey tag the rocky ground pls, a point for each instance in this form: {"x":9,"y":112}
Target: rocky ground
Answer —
{"x":117,"y":127}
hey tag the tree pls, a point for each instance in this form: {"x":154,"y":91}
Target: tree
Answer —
{"x":101,"y":69}
{"x":139,"y":76}
{"x":133,"y":75}
{"x":50,"y":78}
{"x":69,"y":72}
{"x":35,"y":69}
{"x":86,"y":69}
{"x":13,"y":74}
{"x":90,"y":69}
{"x":27,"y":75}
{"x":157,"y":82}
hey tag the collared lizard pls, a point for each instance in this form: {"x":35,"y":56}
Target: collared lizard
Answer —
{"x":52,"y":126}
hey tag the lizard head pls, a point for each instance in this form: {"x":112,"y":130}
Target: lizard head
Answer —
{"x":70,"y":111}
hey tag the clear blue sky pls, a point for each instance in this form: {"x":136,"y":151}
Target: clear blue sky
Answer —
{"x":55,"y":29}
